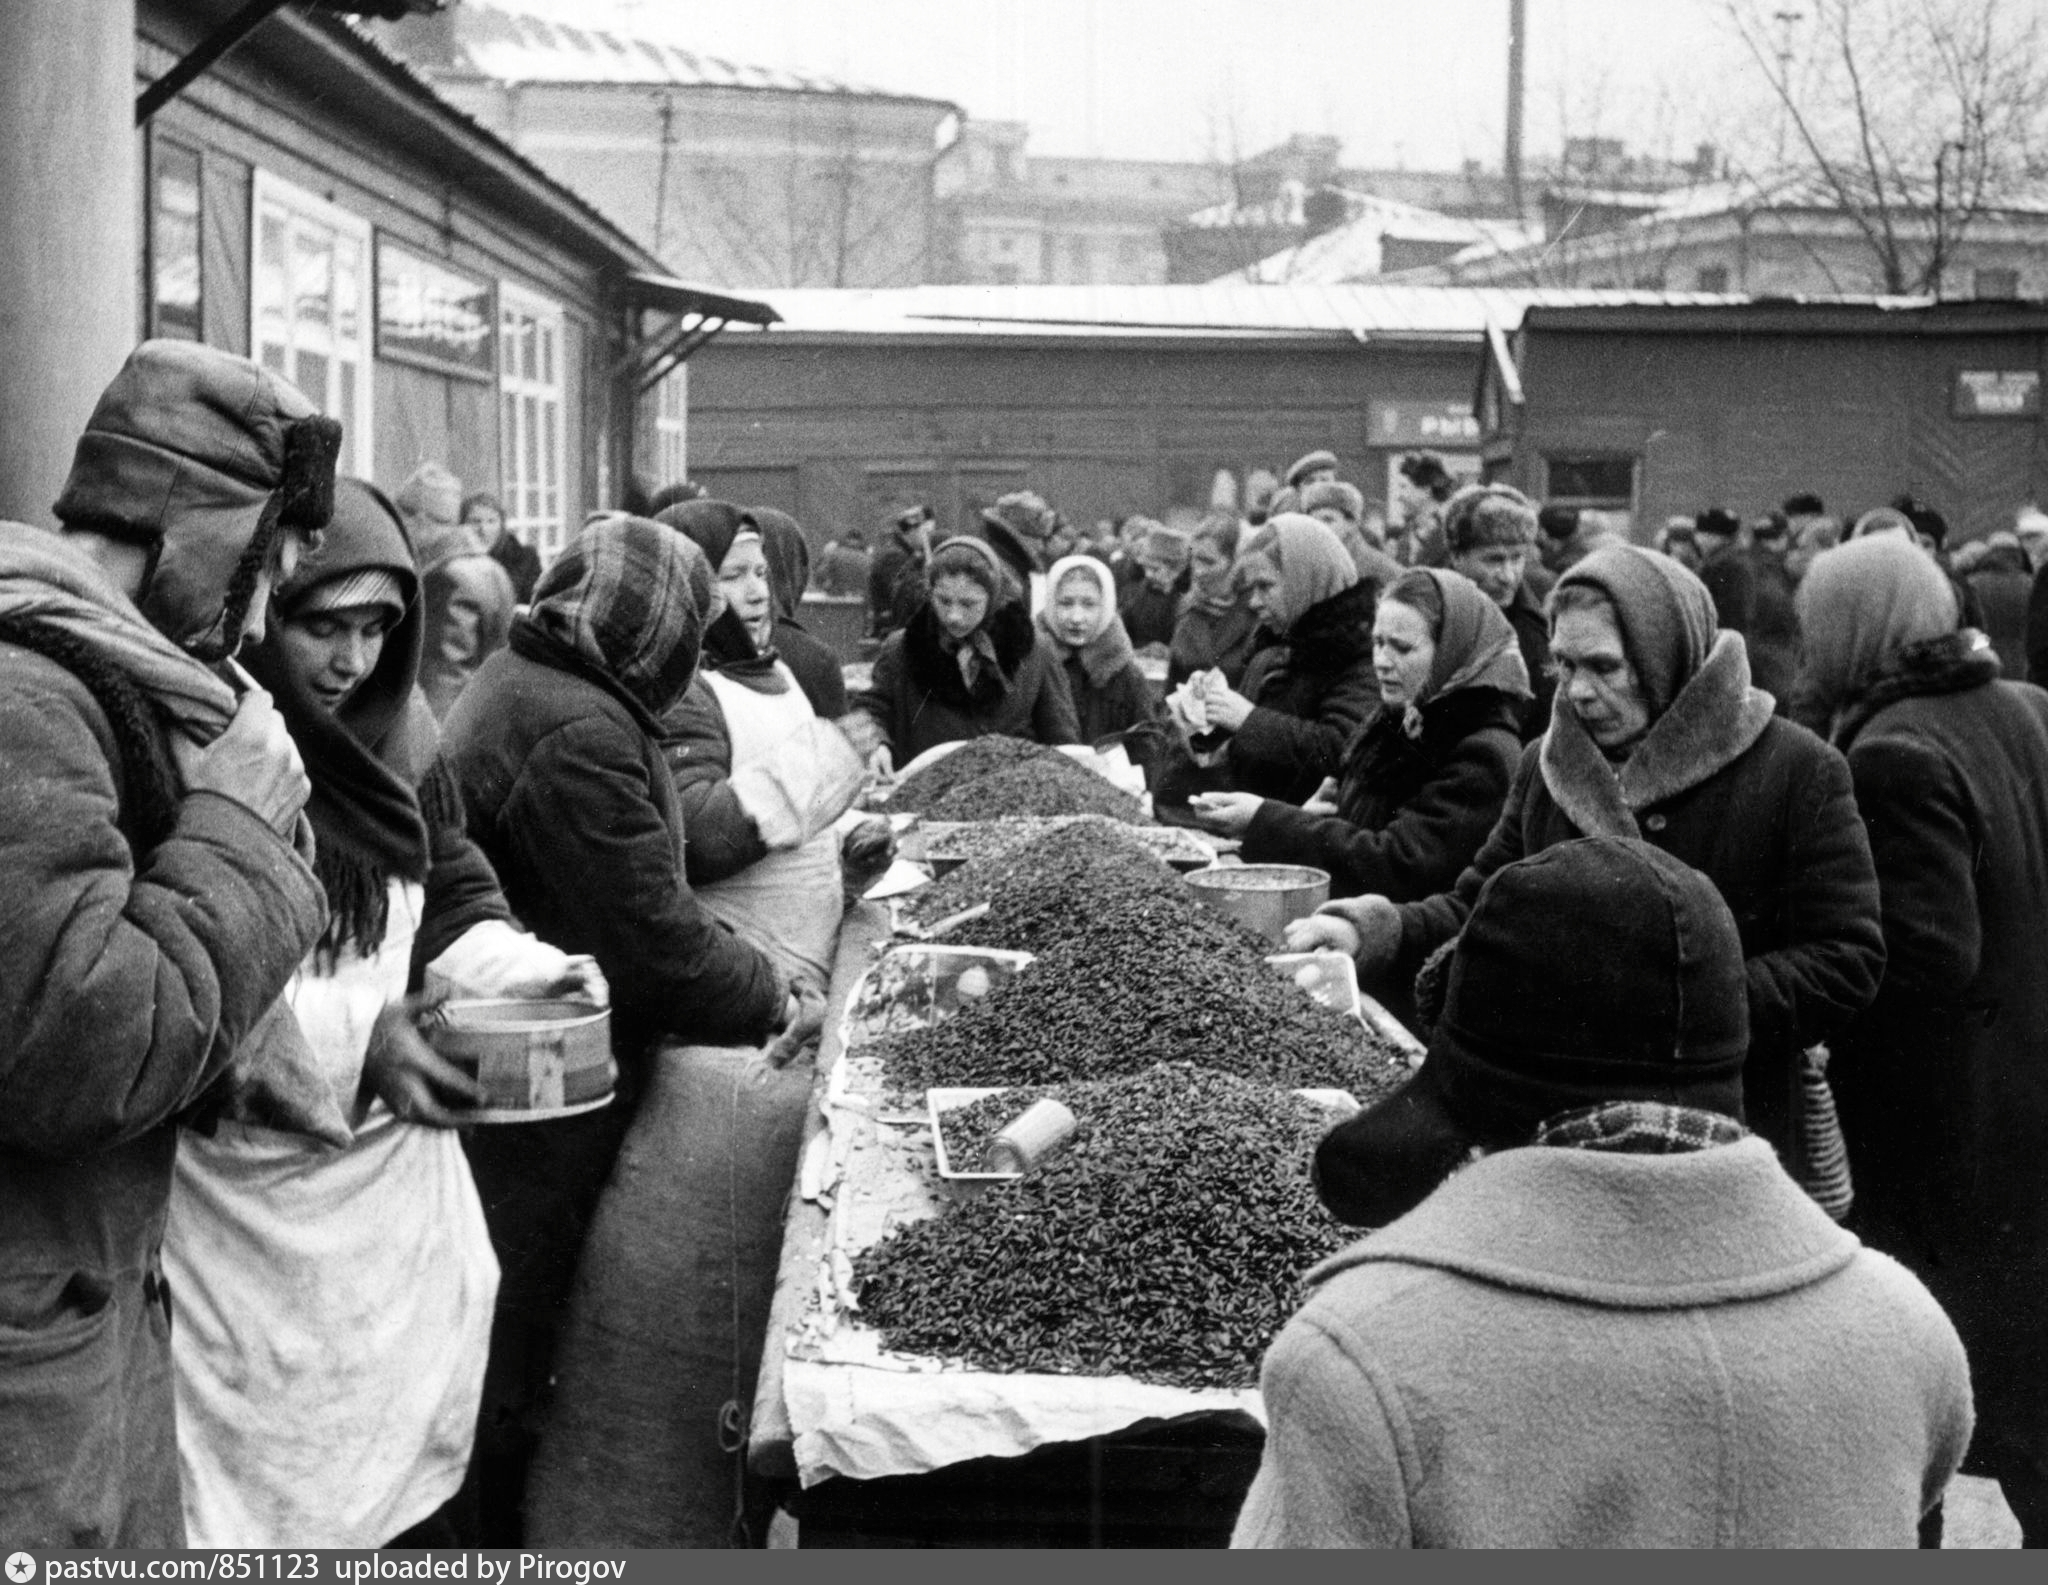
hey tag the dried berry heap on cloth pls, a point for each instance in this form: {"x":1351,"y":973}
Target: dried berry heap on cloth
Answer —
{"x":1132,"y":969}
{"x":1166,"y":1240}
{"x":1039,"y":889}
{"x":989,"y":777}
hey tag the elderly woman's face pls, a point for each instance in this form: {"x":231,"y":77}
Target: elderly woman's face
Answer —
{"x":743,"y":580}
{"x":1596,"y":676}
{"x":1262,"y":589}
{"x":960,"y":604}
{"x":1403,"y":653}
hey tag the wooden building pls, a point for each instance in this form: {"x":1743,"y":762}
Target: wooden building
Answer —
{"x":1661,"y":411}
{"x":1106,"y":400}
{"x":312,"y":203}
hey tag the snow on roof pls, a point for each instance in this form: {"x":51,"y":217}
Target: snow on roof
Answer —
{"x":506,"y":45}
{"x":1354,"y":250}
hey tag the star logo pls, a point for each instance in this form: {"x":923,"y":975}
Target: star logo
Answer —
{"x":21,"y":1568}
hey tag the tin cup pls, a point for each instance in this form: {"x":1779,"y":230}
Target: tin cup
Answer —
{"x":1028,"y":1139}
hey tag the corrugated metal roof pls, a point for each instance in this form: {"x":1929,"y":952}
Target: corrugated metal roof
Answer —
{"x":508,"y":45}
{"x":1358,"y":312}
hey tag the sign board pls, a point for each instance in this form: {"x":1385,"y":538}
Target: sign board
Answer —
{"x":1997,"y":393}
{"x":1429,"y":424}
{"x":433,"y":315}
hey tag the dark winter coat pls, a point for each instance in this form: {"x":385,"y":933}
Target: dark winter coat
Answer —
{"x":1205,"y":638}
{"x":1753,"y":594}
{"x":521,"y":563}
{"x":1943,"y":1081}
{"x":1774,"y":828}
{"x":697,"y":743}
{"x":1112,"y":704}
{"x":1310,"y":693}
{"x":126,"y":982}
{"x":1150,"y":614}
{"x":2001,"y":584}
{"x":1532,"y":635}
{"x":896,"y":584}
{"x":567,"y":793}
{"x":1411,"y":813}
{"x":919,"y":699}
{"x":816,"y":667}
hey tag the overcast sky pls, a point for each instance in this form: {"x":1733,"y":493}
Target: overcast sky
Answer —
{"x":1418,"y":82}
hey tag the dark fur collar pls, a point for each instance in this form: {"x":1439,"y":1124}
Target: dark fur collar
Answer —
{"x":1952,"y":663}
{"x":1335,"y":634}
{"x":1715,"y":720}
{"x":937,"y":673}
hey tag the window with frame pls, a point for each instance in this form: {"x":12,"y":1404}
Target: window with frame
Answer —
{"x":309,"y":306}
{"x":175,"y":283}
{"x":671,"y":424}
{"x":1604,"y":481}
{"x":530,"y":386}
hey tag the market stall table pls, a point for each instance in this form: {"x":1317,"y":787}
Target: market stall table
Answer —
{"x":886,"y":1449}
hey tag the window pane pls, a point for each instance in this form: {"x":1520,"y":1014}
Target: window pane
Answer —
{"x":1592,"y":478}
{"x":275,"y":359}
{"x":174,"y":242}
{"x":550,"y":443}
{"x":546,"y":338}
{"x":348,"y":288}
{"x":312,"y":277}
{"x":310,"y":376}
{"x":529,"y":473}
{"x":270,"y":284}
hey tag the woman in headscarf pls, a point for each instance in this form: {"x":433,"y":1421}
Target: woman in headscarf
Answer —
{"x":1943,"y":1080}
{"x":1309,"y":686}
{"x":1424,"y":781}
{"x":970,"y":664}
{"x":1656,"y":733}
{"x":469,"y":601}
{"x":679,"y":1264}
{"x":810,"y":659}
{"x":334,"y":1304}
{"x":557,"y":747}
{"x":1214,"y":629}
{"x":1080,"y":617}
{"x":760,"y":777}
{"x":1151,"y":603}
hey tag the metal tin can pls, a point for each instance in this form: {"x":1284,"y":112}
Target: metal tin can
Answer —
{"x":1027,"y":1140}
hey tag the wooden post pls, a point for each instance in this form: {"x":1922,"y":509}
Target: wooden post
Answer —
{"x":68,"y":250}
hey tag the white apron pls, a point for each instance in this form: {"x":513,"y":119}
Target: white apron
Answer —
{"x":333,"y":1307}
{"x":788,"y":904}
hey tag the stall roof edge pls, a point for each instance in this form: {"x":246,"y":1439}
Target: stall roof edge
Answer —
{"x":1836,"y":316}
{"x":660,"y":290}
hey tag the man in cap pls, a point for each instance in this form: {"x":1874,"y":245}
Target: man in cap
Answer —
{"x":1490,"y":530}
{"x":1318,"y":467}
{"x":1602,"y":1314}
{"x":157,"y":903}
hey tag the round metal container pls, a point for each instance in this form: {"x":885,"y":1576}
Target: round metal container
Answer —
{"x":534,"y":1059}
{"x":1266,"y":898}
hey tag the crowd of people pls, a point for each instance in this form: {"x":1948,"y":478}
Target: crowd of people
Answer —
{"x":1710,"y":872}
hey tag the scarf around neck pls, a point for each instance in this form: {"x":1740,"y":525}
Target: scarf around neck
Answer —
{"x":1715,"y":720}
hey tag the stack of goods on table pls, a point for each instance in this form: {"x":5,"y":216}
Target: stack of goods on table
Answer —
{"x":1166,"y":1239}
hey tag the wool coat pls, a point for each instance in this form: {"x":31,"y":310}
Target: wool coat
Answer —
{"x":1310,"y":693}
{"x":1532,"y":634}
{"x":1753,"y":594}
{"x":2000,"y":585}
{"x":1943,"y":1081}
{"x":1208,"y":636}
{"x":1760,"y":806}
{"x":127,"y":980}
{"x":919,"y":699}
{"x":1411,"y":813}
{"x":1578,"y":1348}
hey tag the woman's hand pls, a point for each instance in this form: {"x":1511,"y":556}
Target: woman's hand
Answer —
{"x":1321,"y":933}
{"x":1227,"y":707}
{"x":1226,"y":813}
{"x":1325,"y":800}
{"x":1368,"y":928}
{"x":803,"y":1023}
{"x":862,"y":733}
{"x":410,"y":1076}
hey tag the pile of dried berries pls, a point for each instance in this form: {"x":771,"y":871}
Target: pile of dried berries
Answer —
{"x":1053,"y":785}
{"x":969,"y":1128}
{"x":973,"y":759}
{"x":966,"y":841}
{"x":1033,"y":886}
{"x":1166,"y":1240}
{"x":1133,"y":969}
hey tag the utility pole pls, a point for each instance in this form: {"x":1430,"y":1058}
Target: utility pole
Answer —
{"x":1518,"y":22}
{"x":1786,"y":21}
{"x":668,"y":143}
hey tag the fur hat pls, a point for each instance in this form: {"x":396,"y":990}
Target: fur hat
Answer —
{"x":202,"y":457}
{"x":1597,"y":970}
{"x":1719,"y":521}
{"x":1312,"y":463}
{"x":1484,"y":515}
{"x":1425,"y":470}
{"x":1346,"y":498}
{"x":431,"y":495}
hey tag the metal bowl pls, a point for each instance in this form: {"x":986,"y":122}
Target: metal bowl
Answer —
{"x":1266,"y":898}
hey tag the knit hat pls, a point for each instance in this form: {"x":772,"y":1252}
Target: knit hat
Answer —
{"x":1859,"y":605}
{"x":1483,"y":515}
{"x":1304,"y":466}
{"x":1346,"y":498}
{"x":1665,"y":613}
{"x":202,"y":457}
{"x":431,"y":495}
{"x":1600,"y":969}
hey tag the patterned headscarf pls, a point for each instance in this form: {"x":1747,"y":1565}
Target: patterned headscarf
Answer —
{"x":632,"y":598}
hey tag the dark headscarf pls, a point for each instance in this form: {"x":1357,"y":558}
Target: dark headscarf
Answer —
{"x":1665,"y":613}
{"x":713,"y":527}
{"x":628,"y":601}
{"x":789,"y":559}
{"x":368,"y":759}
{"x":1475,"y":646}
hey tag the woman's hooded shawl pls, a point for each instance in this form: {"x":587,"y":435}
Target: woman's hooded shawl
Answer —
{"x":1313,"y":564}
{"x":1863,"y":603}
{"x":1108,"y":650}
{"x":1475,"y":646}
{"x":714,"y":527}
